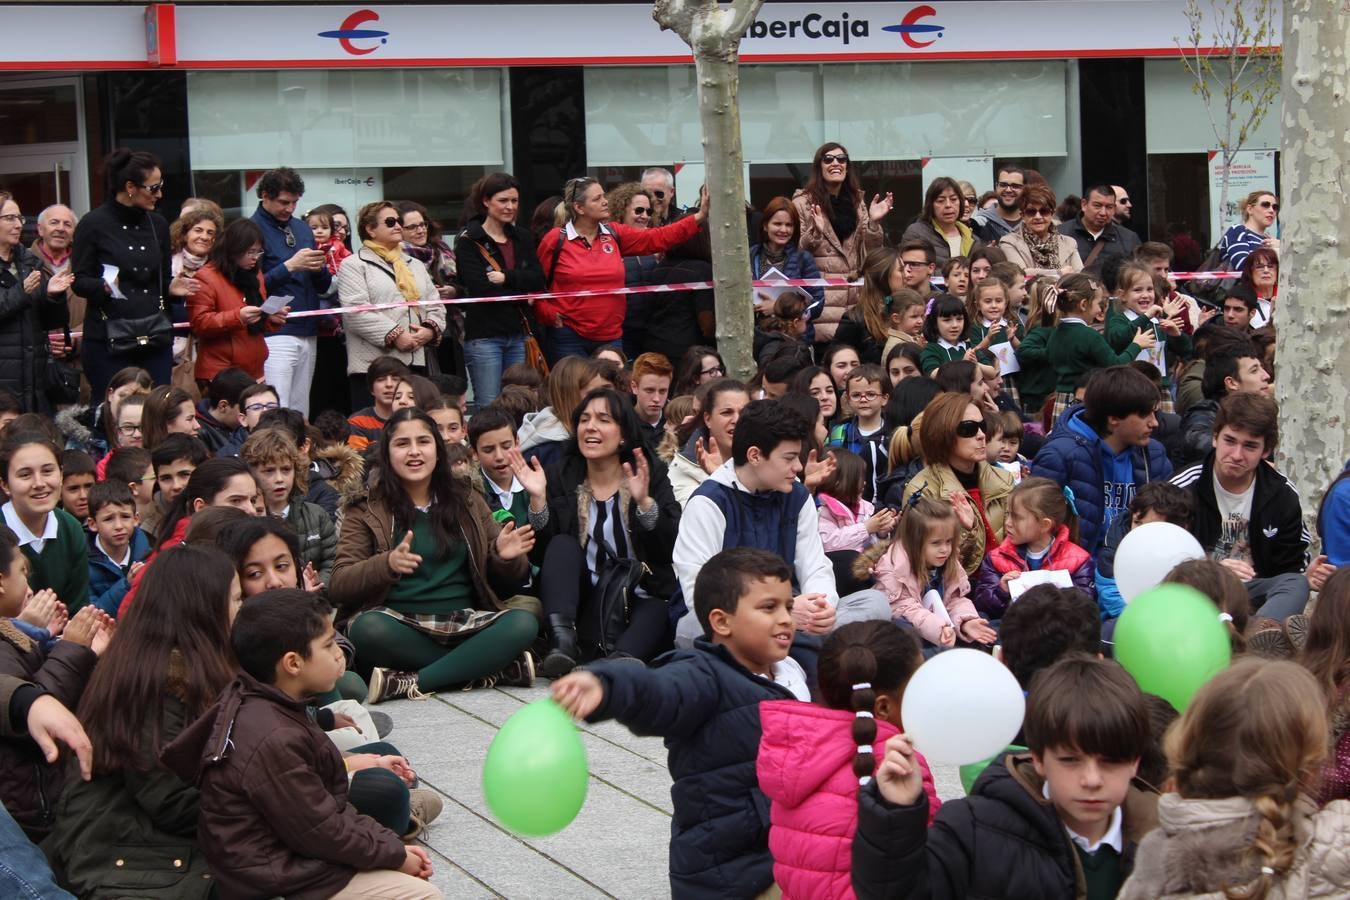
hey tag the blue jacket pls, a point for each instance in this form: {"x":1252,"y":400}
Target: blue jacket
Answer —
{"x":306,"y":287}
{"x":1073,"y":456}
{"x":1333,"y":520}
{"x":706,"y":706}
{"x":798,"y":264}
{"x":107,"y":584}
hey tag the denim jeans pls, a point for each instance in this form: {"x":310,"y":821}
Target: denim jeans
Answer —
{"x":563,"y":341}
{"x":24,"y":871}
{"x":486,"y":359}
{"x":290,"y":368}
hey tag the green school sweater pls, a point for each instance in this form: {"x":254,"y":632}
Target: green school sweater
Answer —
{"x":1120,"y":332}
{"x":63,"y":564}
{"x":934,"y":355}
{"x":1102,"y":872}
{"x":1037,"y":379}
{"x":442,"y":582}
{"x":977,"y":333}
{"x":1076,"y":348}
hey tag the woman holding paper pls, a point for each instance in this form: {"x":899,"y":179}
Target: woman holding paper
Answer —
{"x":779,"y":231}
{"x":227,"y":312}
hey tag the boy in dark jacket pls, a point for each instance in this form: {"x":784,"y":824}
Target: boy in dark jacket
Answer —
{"x":275,"y":819}
{"x":118,"y":547}
{"x":1060,"y":822}
{"x":705,"y":702}
{"x":29,"y":784}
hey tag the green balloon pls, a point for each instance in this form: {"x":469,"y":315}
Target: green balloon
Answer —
{"x":534,"y":776}
{"x":971,"y":771}
{"x":1171,"y":640}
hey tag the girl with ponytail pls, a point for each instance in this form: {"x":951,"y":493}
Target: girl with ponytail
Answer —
{"x":812,"y":759}
{"x":1245,"y":759}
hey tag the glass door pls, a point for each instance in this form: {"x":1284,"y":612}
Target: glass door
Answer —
{"x":39,"y":180}
{"x":42,"y":147}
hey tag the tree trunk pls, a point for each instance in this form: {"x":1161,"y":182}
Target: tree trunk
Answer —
{"x":713,"y":32}
{"x":1312,"y":314}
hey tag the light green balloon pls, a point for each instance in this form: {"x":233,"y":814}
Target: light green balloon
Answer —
{"x":1171,"y":640}
{"x":971,"y":771}
{"x":534,"y":776}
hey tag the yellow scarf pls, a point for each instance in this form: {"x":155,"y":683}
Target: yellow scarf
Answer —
{"x":403,"y":276}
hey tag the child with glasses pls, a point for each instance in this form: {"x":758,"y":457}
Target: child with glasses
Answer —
{"x":867,"y":389}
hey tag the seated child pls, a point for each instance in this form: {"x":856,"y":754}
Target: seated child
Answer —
{"x":847,"y":521}
{"x":1229,"y":594}
{"x":1059,"y":822}
{"x":77,"y":477}
{"x":867,"y":389}
{"x":705,"y":702}
{"x":1245,"y":758}
{"x":904,"y":322}
{"x":31,"y":785}
{"x":1004,"y":447}
{"x":134,"y":467}
{"x":118,"y":547}
{"x":492,"y":437}
{"x":813,"y":758}
{"x":283,"y":480}
{"x":1156,"y":501}
{"x":1041,"y":528}
{"x":921,"y":575}
{"x":276,"y":819}
{"x":1047,"y":624}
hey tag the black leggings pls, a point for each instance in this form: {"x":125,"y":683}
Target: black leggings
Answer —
{"x":565,"y":586}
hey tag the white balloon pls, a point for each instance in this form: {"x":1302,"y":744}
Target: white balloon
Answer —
{"x":1149,"y":552}
{"x":962,"y":706}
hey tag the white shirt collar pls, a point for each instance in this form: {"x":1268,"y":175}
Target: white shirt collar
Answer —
{"x":126,"y":555}
{"x":26,"y":537}
{"x":942,"y":342}
{"x":1114,"y":837}
{"x":572,"y":234}
{"x":505,"y":496}
{"x":1078,"y":319}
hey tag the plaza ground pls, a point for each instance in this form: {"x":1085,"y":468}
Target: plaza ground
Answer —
{"x":616,"y":847}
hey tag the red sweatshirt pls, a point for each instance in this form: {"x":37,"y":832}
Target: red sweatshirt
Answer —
{"x":599,"y":266}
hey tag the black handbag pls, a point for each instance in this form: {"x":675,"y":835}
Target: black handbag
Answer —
{"x":153,"y":332}
{"x":62,"y":379}
{"x":604,"y":619}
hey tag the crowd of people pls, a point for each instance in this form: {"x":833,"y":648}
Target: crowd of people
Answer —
{"x":214,"y":566}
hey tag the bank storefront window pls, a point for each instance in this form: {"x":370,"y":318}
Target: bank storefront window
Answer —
{"x":355,"y":136}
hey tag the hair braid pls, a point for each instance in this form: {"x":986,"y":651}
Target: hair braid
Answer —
{"x":861,"y":666}
{"x":1275,"y":844}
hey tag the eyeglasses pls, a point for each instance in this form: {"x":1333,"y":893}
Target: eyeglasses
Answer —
{"x":1267,"y":204}
{"x":911,"y":264}
{"x":420,"y":226}
{"x":261,"y":407}
{"x":864,"y":397}
{"x":128,"y":429}
{"x":969,"y":427}
{"x":390,"y":222}
{"x":971,"y":200}
{"x":717,"y":371}
{"x":156,"y":188}
{"x":1004,"y":185}
{"x":642,"y":210}
{"x":1266,"y":265}
{"x":1038,"y":211}
{"x":15,"y":217}
{"x":659,"y":195}
{"x":834,"y":158}
{"x":1124,"y":201}
{"x":290,"y":235}
{"x":252,"y":254}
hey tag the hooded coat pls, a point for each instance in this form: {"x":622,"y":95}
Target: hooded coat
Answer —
{"x":805,"y":768}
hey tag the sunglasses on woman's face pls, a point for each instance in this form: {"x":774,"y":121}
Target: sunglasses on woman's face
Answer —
{"x":642,"y":210}
{"x":834,"y":158}
{"x":969,"y":427}
{"x":390,"y":222}
{"x":1267,"y":204}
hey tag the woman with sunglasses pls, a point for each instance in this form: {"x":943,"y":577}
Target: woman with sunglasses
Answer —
{"x":226,"y":313}
{"x":1260,"y":281}
{"x":586,"y":254}
{"x":424,"y":241}
{"x":496,"y":259}
{"x":1034,"y":244}
{"x":381,"y":272}
{"x":1258,"y":215}
{"x":123,"y":264}
{"x":30,"y":303}
{"x":632,"y":205}
{"x":838,"y":228}
{"x":953,"y":440}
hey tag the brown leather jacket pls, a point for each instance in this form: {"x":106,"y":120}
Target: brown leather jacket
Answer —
{"x":264,"y":770}
{"x":29,"y":785}
{"x":362,"y":579}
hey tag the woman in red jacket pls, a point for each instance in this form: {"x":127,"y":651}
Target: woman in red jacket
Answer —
{"x":586,"y":254}
{"x":226,"y":312}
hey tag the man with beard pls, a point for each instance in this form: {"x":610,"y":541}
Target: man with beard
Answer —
{"x":993,"y":223}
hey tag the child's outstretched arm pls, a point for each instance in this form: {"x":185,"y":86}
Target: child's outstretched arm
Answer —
{"x":672,"y":700}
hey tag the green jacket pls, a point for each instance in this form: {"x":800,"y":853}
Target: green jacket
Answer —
{"x":1037,"y":379}
{"x":1076,"y":348}
{"x":934,"y":355}
{"x":63,"y":564}
{"x":131,"y":833}
{"x":976,"y":334}
{"x":1120,"y":332}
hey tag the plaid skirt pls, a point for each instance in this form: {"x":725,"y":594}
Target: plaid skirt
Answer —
{"x":449,"y":629}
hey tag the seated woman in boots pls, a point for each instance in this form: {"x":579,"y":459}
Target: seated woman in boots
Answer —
{"x":603,"y":504}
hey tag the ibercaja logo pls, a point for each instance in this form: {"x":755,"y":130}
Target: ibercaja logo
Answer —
{"x":914,"y":27}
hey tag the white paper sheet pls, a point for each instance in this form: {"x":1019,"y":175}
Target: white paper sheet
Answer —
{"x":110,"y":274}
{"x":1028,"y":580}
{"x":275,"y":304}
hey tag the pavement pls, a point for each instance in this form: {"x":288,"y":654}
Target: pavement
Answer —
{"x":617,"y":845}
